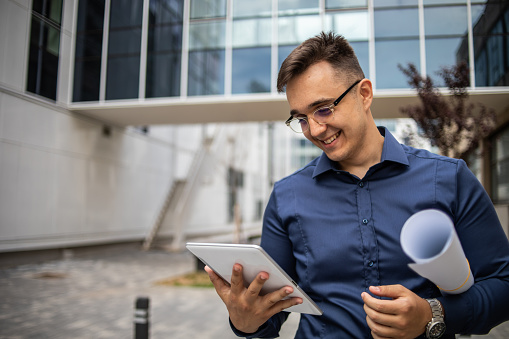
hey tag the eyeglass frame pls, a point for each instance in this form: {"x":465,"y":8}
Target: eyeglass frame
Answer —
{"x":330,"y":107}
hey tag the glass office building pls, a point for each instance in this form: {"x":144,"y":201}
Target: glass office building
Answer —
{"x":79,"y":77}
{"x":131,"y":49}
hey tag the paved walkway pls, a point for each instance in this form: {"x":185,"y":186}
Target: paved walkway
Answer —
{"x":93,"y":297}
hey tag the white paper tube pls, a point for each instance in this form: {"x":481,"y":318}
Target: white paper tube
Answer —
{"x":429,"y":238}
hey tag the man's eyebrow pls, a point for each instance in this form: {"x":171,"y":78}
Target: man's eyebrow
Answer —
{"x":312,"y":105}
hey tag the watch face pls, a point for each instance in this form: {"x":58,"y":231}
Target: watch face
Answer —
{"x":436,"y":330}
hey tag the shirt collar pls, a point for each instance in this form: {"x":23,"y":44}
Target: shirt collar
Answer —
{"x":392,"y":151}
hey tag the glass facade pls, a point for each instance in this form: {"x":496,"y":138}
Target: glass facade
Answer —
{"x":164,"y":48}
{"x":87,"y":60}
{"x":230,"y":47}
{"x":44,"y":49}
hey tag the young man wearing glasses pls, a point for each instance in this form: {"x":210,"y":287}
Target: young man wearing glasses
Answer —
{"x":334,"y":225}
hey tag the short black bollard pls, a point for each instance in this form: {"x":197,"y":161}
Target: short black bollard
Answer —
{"x":141,"y":318}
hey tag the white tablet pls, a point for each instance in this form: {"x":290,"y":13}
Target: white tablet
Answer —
{"x":222,"y":257}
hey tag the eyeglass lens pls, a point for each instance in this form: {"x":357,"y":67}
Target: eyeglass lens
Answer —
{"x":321,"y":116}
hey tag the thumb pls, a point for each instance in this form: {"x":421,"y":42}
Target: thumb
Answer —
{"x":388,"y":291}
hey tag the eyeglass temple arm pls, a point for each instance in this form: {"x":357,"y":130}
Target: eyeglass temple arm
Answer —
{"x":346,"y":92}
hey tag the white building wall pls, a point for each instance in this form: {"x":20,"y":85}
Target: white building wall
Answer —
{"x":63,"y":182}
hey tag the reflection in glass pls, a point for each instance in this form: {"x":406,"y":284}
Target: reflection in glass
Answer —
{"x":330,"y":4}
{"x":353,"y":25}
{"x":442,"y":53}
{"x":251,"y":70}
{"x":204,"y":35}
{"x":388,"y":55}
{"x":491,"y":39}
{"x":394,"y":3}
{"x":124,"y":42}
{"x":250,"y":8}
{"x":43,"y":58}
{"x":396,"y":23}
{"x":164,"y":50}
{"x":443,"y":2}
{"x":206,"y":58}
{"x":206,"y":72}
{"x":87,"y":62}
{"x":252,"y":32}
{"x":293,"y":7}
{"x":201,"y":9}
{"x":446,"y":20}
{"x":294,"y":30}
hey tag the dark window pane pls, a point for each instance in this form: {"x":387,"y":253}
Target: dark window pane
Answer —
{"x":163,"y":75}
{"x":206,"y":72}
{"x":89,"y":39}
{"x":42,"y":72}
{"x":49,"y":9}
{"x":491,"y":43}
{"x":251,"y":70}
{"x":164,"y":52}
{"x":124,"y":43}
{"x":123,"y":77}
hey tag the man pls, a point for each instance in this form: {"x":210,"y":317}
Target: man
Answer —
{"x":334,"y":225}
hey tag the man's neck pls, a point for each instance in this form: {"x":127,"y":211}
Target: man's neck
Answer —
{"x":371,"y":155}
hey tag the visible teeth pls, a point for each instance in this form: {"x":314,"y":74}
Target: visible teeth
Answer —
{"x":331,"y":139}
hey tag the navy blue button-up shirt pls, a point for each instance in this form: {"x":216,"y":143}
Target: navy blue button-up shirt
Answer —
{"x":337,"y":234}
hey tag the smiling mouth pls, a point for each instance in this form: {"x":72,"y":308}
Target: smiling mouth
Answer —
{"x":332,"y":138}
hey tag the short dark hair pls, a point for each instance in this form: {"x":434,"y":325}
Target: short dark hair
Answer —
{"x":329,"y":47}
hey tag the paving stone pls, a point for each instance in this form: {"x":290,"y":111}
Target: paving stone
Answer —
{"x":94,"y":297}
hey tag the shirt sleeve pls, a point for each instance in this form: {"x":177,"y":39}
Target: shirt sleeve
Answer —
{"x":486,"y":247}
{"x":276,"y":243}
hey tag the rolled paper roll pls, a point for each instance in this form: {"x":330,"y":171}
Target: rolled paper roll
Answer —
{"x":430,"y":240}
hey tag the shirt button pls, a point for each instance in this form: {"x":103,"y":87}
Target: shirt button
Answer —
{"x":370,"y":264}
{"x":365,"y":221}
{"x":361,"y":184}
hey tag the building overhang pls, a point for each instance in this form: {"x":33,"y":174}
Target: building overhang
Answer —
{"x":250,"y":108}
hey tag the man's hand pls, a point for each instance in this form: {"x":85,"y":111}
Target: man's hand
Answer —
{"x":405,"y":316}
{"x":249,"y":310}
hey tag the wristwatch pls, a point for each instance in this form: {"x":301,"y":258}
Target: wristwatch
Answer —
{"x":436,"y":327}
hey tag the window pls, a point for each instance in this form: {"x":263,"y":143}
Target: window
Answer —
{"x":44,"y":48}
{"x":396,"y":42}
{"x":446,"y":36}
{"x":490,"y":23}
{"x":251,"y":70}
{"x":206,"y":58}
{"x":124,"y":47}
{"x":89,"y":39}
{"x":164,"y":51}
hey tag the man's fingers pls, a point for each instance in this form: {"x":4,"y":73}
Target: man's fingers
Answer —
{"x":388,"y":291}
{"x":253,"y":291}
{"x":237,"y":280}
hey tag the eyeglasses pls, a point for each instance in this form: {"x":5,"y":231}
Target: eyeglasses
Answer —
{"x":322,"y":115}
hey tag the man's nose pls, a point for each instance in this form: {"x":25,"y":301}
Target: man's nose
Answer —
{"x":315,"y":129}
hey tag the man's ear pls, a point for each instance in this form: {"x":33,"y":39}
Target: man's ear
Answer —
{"x":366,"y":92}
